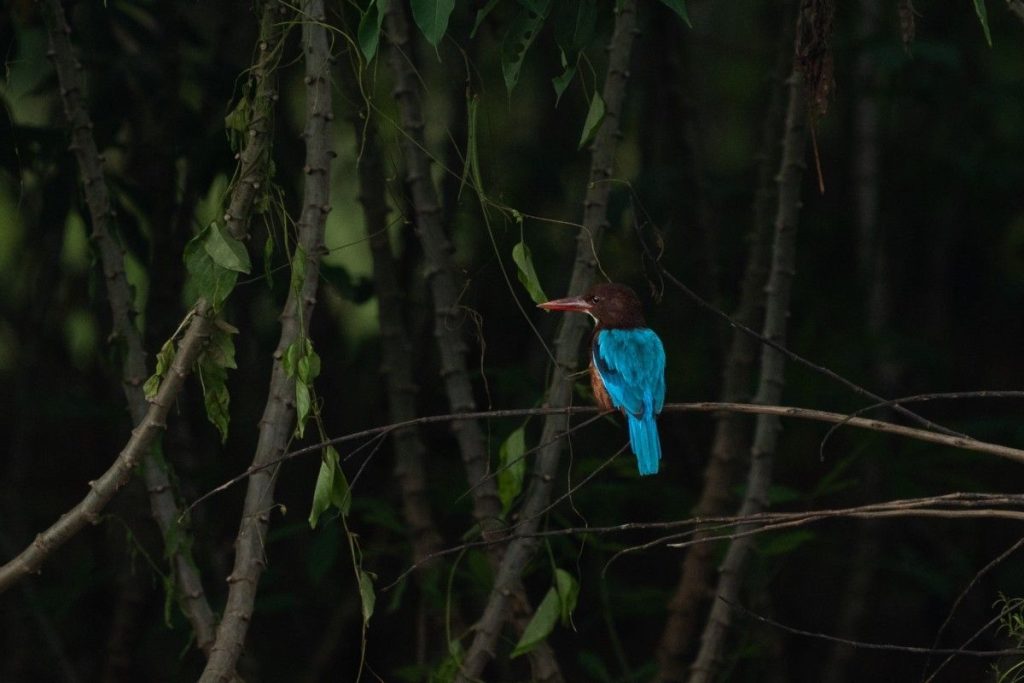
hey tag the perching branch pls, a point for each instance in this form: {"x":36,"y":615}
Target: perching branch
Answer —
{"x":278,"y":419}
{"x":732,"y":432}
{"x":449,"y":319}
{"x":837,"y":419}
{"x":595,"y":220}
{"x":713,"y":640}
{"x":146,"y":419}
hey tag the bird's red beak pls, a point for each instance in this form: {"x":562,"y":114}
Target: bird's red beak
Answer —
{"x":572,"y":303}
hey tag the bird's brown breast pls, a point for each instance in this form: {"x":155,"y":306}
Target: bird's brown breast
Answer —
{"x":601,"y":397}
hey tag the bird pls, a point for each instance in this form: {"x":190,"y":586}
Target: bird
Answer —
{"x":627,"y":364}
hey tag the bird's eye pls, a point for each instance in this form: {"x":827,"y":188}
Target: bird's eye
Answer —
{"x":594,"y":299}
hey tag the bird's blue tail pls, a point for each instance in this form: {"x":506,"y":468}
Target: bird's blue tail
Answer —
{"x":643,"y":439}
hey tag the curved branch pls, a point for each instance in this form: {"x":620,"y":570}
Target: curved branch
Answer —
{"x":278,"y":419}
{"x":103,"y":488}
{"x":595,"y":220}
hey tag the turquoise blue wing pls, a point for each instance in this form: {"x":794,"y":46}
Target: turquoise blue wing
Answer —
{"x":632,"y":366}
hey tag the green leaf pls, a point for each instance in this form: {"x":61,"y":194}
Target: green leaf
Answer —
{"x":527,"y":275}
{"x":521,"y":32}
{"x":559,"y":603}
{"x":562,"y":82}
{"x":369,"y":28}
{"x":207,"y":279}
{"x":595,"y":115}
{"x":511,"y":468}
{"x":298,"y":268}
{"x":568,"y":594}
{"x":268,"y":257}
{"x":163,"y":365}
{"x":432,"y":18}
{"x":451,"y":665}
{"x":302,"y":406}
{"x":218,"y":357}
{"x":481,"y":14}
{"x":225,"y":250}
{"x":301,"y":363}
{"x":574,"y":25}
{"x":472,"y":168}
{"x":216,"y":398}
{"x":982,"y":12}
{"x":679,"y":7}
{"x":366,"y":595}
{"x":331,"y":488}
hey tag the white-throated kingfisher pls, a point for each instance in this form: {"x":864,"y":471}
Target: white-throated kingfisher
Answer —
{"x":627,"y":364}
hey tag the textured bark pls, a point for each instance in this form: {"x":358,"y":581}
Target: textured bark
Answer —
{"x":397,"y":366}
{"x":440,"y":270}
{"x":713,"y":640}
{"x":732,"y":431}
{"x":278,"y":421}
{"x":396,"y":347}
{"x":448,"y":322}
{"x":567,"y":345}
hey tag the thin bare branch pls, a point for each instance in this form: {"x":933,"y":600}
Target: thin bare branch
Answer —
{"x":278,"y":419}
{"x":967,"y":444}
{"x":888,"y":647}
{"x":710,"y":530}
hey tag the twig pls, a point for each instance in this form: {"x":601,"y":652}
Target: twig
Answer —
{"x":713,"y":640}
{"x":888,"y":647}
{"x":595,"y":220}
{"x":996,"y":561}
{"x":725,"y":528}
{"x":278,"y":419}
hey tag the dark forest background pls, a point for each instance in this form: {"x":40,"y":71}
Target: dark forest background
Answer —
{"x":344,"y":213}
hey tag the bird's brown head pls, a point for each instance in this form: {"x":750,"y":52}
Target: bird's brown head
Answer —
{"x":611,"y":305}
